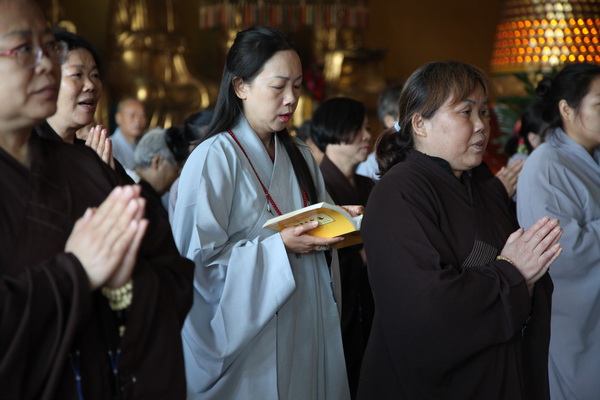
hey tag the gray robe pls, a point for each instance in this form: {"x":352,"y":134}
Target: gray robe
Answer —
{"x":264,"y":323}
{"x":560,"y":179}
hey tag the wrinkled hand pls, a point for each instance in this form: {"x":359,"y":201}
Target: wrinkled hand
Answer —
{"x":105,"y":239}
{"x":97,"y":139}
{"x":298,"y":241}
{"x":509,"y":176}
{"x":534,"y":250}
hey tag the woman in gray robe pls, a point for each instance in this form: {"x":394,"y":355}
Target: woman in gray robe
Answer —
{"x":264,"y":324}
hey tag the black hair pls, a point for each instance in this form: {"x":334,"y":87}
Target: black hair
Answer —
{"x":336,"y":120}
{"x":424,"y":92}
{"x":249,"y":53}
{"x":571,"y":84}
{"x":196,"y":124}
{"x":177,"y":143}
{"x":531,"y":122}
{"x":74,"y":42}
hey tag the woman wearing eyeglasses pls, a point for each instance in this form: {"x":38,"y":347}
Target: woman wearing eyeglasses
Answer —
{"x":92,"y":295}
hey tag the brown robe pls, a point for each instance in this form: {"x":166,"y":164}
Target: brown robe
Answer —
{"x":451,"y":322}
{"x":45,"y":131}
{"x":357,"y":300}
{"x":48,"y":314}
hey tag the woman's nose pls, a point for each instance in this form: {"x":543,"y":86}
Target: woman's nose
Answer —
{"x":90,"y":85}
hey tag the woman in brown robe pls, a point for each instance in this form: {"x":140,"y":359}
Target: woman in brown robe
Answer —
{"x":340,"y":128}
{"x":90,"y":307}
{"x":462,"y":295}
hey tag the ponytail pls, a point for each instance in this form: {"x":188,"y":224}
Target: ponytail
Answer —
{"x":392,"y":146}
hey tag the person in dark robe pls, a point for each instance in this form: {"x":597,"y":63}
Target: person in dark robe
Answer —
{"x":340,"y":128}
{"x":79,"y":94}
{"x":93,"y":293}
{"x":462,"y":294}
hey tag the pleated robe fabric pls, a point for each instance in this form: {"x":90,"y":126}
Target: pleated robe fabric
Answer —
{"x":47,"y":311}
{"x":451,"y":322}
{"x":264,"y":324}
{"x":562,"y":180}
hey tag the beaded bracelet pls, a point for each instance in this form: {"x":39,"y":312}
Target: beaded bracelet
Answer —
{"x":503,"y":258}
{"x":119,"y":298}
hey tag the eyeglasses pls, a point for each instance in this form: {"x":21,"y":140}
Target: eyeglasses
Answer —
{"x":28,"y":56}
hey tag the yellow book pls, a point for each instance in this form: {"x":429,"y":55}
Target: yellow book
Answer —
{"x":333,"y":221}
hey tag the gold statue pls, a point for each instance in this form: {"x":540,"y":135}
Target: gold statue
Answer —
{"x":146,"y":61}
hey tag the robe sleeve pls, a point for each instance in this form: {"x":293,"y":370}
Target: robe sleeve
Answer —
{"x":41,"y":311}
{"x":553,"y":189}
{"x":239,"y":283}
{"x":433,"y":315}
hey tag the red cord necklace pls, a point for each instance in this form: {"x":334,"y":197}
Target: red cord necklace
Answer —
{"x":264,"y":188}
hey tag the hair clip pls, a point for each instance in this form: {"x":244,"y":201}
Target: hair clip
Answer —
{"x":397,"y":126}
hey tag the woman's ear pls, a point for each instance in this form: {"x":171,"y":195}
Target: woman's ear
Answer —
{"x":239,"y":86}
{"x":155,"y":164}
{"x":566,"y":112}
{"x":419,"y":125}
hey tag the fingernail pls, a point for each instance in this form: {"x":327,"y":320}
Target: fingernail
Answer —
{"x":132,"y":205}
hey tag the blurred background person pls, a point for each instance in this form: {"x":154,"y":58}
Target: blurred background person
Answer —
{"x":132,"y":122}
{"x":303,"y":133}
{"x":531,"y":132}
{"x":561,"y":178}
{"x":341,"y":126}
{"x":158,"y":163}
{"x":387,"y":112}
{"x":194,"y":127}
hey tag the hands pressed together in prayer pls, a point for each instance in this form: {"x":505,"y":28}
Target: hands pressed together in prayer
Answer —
{"x":299,"y":241}
{"x":509,"y":175}
{"x":106,"y":239}
{"x":532,"y":251}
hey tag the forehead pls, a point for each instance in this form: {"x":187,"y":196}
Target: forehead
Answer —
{"x":476,"y":96}
{"x":80,"y":57}
{"x":595,"y":86}
{"x":131,"y":107}
{"x":284,"y":64}
{"x":21,"y":18}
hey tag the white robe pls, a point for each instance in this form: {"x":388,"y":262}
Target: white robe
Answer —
{"x":264,"y":324}
{"x":560,"y":179}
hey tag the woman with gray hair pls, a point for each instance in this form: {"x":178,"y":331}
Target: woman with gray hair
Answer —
{"x":156,"y":165}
